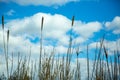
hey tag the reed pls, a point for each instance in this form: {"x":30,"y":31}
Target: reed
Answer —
{"x":88,"y":61}
{"x":40,"y":57}
{"x":69,"y":52}
{"x":72,"y":20}
{"x":77,"y":76}
{"x":2,"y":22}
{"x":106,"y":55}
{"x":5,"y":49}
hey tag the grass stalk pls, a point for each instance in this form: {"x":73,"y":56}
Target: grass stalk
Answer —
{"x":106,"y":55}
{"x":5,"y":50}
{"x":88,"y":62}
{"x":40,"y":57}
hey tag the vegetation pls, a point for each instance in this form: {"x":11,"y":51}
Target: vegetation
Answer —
{"x":50,"y":69}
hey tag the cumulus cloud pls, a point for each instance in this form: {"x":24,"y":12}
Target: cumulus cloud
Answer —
{"x":87,"y":30}
{"x":79,"y":40}
{"x":83,"y":67}
{"x":111,"y":46}
{"x":30,"y":27}
{"x":114,"y":25}
{"x":10,"y":12}
{"x":41,"y":2}
{"x":54,"y":31}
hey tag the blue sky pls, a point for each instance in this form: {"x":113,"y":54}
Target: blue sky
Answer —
{"x":85,"y":10}
{"x":93,"y":19}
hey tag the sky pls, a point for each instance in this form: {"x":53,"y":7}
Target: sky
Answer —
{"x":93,"y":19}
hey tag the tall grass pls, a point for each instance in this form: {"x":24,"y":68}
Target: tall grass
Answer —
{"x":88,"y":62}
{"x":40,"y":47}
{"x":51,"y":67}
{"x":4,"y":44}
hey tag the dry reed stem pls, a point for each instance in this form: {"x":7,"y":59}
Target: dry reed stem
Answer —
{"x":8,"y":35}
{"x":73,"y":20}
{"x":88,"y":62}
{"x":40,"y":65}
{"x":5,"y":50}
{"x":106,"y":54}
{"x":42,"y":21}
{"x":2,"y":22}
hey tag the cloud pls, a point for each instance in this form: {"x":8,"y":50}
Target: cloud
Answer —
{"x":30,"y":27}
{"x":94,"y":45}
{"x":87,"y":30}
{"x":10,"y":12}
{"x":55,"y":30}
{"x":111,"y":46}
{"x":114,"y":25}
{"x":41,"y":2}
{"x":83,"y":67}
{"x":79,"y":40}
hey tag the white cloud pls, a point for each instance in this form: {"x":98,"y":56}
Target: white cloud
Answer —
{"x":114,"y":25}
{"x":30,"y":26}
{"x":83,"y":67}
{"x":43,"y":2}
{"x":55,"y":28}
{"x":111,"y":46}
{"x":10,"y":12}
{"x":79,"y":40}
{"x":87,"y":30}
{"x":93,"y":45}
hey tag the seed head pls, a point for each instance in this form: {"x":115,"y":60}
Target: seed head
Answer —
{"x":2,"y":22}
{"x":73,"y":20}
{"x":8,"y":35}
{"x":106,"y":54}
{"x":42,"y":23}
